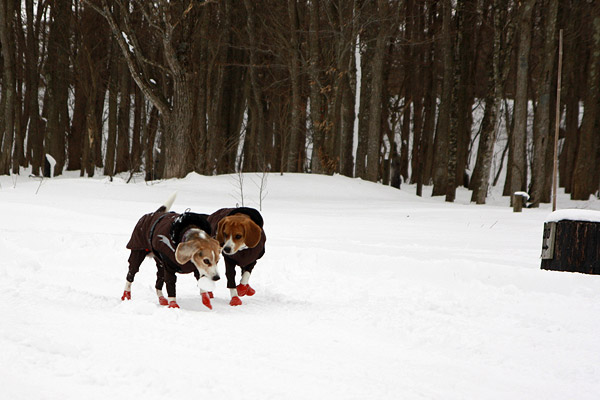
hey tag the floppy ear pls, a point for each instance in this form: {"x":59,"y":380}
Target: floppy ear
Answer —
{"x":219,"y":237}
{"x":185,"y":251}
{"x":252,"y":234}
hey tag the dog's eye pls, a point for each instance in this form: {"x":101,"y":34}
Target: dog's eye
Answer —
{"x":206,"y":261}
{"x":238,"y":236}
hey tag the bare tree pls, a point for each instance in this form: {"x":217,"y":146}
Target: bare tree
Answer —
{"x":540,"y":191}
{"x":166,"y":21}
{"x":7,"y":131}
{"x":585,"y":176}
{"x":518,"y":138}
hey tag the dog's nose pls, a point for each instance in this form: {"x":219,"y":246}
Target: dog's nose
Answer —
{"x":216,"y":278}
{"x":227,"y":249}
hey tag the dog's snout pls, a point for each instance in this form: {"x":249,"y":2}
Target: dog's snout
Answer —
{"x":227,"y":249}
{"x":216,"y":278}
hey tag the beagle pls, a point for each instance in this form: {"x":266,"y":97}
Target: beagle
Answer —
{"x":240,"y":233}
{"x":179,"y":243}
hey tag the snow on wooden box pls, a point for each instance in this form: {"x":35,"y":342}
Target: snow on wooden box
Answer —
{"x":571,"y":241}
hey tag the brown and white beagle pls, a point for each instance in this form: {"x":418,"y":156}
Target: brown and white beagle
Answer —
{"x":179,"y":244}
{"x":240,"y":233}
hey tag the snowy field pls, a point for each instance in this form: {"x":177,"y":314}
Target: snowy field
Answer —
{"x":365,"y":292}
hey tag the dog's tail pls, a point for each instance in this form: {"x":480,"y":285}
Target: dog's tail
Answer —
{"x":167,"y":204}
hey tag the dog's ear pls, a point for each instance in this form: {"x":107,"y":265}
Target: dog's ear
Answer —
{"x":185,"y":251}
{"x":252,"y":234}
{"x":219,"y":237}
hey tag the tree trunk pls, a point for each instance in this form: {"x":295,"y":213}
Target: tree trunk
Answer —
{"x":346,"y":84}
{"x":57,"y":70}
{"x":518,"y":142}
{"x":136,"y":151}
{"x":430,"y":99}
{"x":376,"y":100}
{"x":317,"y":102}
{"x":440,"y":167}
{"x":572,"y":73}
{"x":122,"y":163}
{"x":485,"y":152}
{"x":464,"y":101}
{"x":111,"y":143}
{"x":7,"y":11}
{"x":541,"y":124}
{"x":585,"y":180}
{"x":569,"y":151}
{"x":35,"y":141}
{"x":294,"y":70}
{"x":360,"y":169}
{"x":149,"y":141}
{"x":417,"y":157}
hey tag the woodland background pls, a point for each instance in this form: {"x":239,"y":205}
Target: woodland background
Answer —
{"x":378,"y":89}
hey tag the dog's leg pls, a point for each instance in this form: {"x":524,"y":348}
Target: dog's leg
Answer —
{"x":230,"y":274}
{"x":171,"y":280}
{"x":160,"y":280}
{"x":136,"y":257}
{"x":244,"y":289}
{"x":206,"y":295}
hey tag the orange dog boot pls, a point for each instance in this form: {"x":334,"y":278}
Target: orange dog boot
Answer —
{"x":235,"y":301}
{"x":206,"y":300}
{"x":173,"y":304}
{"x":126,"y":295}
{"x":163,"y":301}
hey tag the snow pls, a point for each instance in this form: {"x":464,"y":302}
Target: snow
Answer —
{"x":525,"y":195}
{"x":365,"y":292}
{"x":574,"y":215}
{"x":52,"y":161}
{"x":206,"y":284}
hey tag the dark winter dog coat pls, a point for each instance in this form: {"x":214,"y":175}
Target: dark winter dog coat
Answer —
{"x":246,"y":259}
{"x":158,"y":234}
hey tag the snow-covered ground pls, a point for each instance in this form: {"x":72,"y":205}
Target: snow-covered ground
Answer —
{"x":365,"y":292}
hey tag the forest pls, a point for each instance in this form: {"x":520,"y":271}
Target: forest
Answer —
{"x":390,"y":91}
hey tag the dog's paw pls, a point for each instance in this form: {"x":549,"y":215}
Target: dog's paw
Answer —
{"x":163,"y":301}
{"x":206,"y":300}
{"x":173,"y":304}
{"x":235,"y":301}
{"x":126,"y":295}
{"x":245,"y":290}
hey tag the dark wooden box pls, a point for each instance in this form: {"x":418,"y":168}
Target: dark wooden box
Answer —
{"x":572,"y":245}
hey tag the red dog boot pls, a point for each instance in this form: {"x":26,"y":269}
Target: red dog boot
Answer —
{"x":235,"y":301}
{"x":163,"y":301}
{"x":126,"y":295}
{"x":210,"y":294}
{"x":242,"y":289}
{"x":206,"y":300}
{"x":245,"y":290}
{"x":173,"y":304}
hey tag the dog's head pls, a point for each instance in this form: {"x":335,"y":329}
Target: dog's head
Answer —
{"x":200,"y":249}
{"x":237,"y":232}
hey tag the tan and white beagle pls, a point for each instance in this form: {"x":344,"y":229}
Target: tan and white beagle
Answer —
{"x":179,"y":244}
{"x":240,"y":233}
